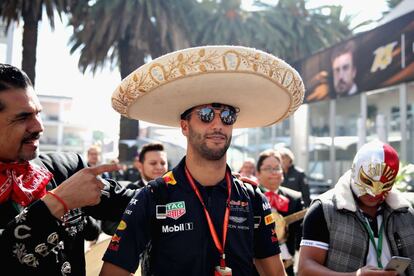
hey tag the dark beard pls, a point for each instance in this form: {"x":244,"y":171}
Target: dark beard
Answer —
{"x":210,"y":154}
{"x":206,"y":152}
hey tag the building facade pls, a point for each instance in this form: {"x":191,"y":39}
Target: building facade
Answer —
{"x":334,"y":122}
{"x":61,"y":134}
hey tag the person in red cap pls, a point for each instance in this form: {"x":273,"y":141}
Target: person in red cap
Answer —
{"x":362,"y":222}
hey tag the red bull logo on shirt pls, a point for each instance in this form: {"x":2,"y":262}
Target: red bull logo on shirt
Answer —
{"x":175,"y":210}
{"x":114,"y":244}
{"x":169,"y":178}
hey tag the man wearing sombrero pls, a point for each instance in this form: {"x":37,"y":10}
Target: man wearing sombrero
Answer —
{"x":201,"y":219}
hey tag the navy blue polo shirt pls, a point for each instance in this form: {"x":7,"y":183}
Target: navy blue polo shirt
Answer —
{"x":181,"y":240}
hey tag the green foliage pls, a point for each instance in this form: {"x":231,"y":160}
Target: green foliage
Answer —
{"x":299,"y":31}
{"x":30,"y":11}
{"x":107,"y":29}
{"x":222,"y":22}
{"x":405,"y":177}
{"x":14,"y":10}
{"x":393,"y":3}
{"x":287,"y":29}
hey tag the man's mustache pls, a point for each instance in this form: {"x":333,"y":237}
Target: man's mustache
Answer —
{"x":31,"y":136}
{"x":341,"y":81}
{"x":216,"y":133}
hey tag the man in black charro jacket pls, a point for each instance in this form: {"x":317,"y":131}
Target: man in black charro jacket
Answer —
{"x":43,"y":200}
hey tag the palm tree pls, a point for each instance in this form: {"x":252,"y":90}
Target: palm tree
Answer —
{"x":301,"y":31}
{"x":31,"y":13}
{"x":288,"y":29}
{"x":391,"y":5}
{"x":125,"y":33}
{"x":223,"y":22}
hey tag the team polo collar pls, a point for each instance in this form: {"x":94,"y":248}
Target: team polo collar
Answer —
{"x":179,"y":175}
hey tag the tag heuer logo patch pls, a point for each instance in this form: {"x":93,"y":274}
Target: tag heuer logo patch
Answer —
{"x":175,"y":210}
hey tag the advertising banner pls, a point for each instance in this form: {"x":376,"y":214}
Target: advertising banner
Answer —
{"x":375,"y":59}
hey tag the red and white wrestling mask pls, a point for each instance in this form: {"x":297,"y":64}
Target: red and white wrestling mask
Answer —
{"x":374,"y":169}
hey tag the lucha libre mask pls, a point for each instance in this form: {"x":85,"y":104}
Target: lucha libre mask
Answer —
{"x":374,"y":169}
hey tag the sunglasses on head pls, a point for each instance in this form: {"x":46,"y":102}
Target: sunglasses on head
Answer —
{"x":228,"y":115}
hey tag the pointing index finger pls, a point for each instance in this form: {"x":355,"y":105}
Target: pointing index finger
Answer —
{"x":104,"y":168}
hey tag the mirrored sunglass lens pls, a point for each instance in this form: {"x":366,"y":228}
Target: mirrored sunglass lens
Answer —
{"x":227,"y":117}
{"x":206,"y":114}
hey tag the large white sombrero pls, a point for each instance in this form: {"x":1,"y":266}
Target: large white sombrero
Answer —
{"x":265,"y":88}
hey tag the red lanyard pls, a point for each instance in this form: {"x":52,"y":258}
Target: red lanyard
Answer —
{"x":213,"y":232}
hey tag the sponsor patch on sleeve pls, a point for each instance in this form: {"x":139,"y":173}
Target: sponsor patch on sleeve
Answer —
{"x":114,"y":244}
{"x":122,"y":225}
{"x":169,"y":178}
{"x":269,"y":219}
{"x":266,"y":206}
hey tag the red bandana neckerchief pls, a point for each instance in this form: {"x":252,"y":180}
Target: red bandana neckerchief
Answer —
{"x":22,"y":182}
{"x":278,"y":202}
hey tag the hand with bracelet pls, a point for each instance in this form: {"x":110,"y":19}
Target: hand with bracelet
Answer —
{"x":80,"y":190}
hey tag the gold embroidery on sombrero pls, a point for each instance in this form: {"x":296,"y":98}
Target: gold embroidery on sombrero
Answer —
{"x":133,"y":90}
{"x":192,"y":63}
{"x":202,"y":61}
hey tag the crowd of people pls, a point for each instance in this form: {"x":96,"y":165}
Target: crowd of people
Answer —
{"x":200,"y":217}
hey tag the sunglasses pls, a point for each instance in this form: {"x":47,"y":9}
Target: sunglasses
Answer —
{"x":206,"y":114}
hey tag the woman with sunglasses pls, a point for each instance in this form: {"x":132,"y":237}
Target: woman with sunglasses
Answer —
{"x":200,"y":219}
{"x":284,"y":202}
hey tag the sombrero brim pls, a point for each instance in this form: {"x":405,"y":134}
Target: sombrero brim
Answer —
{"x":264,"y":88}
